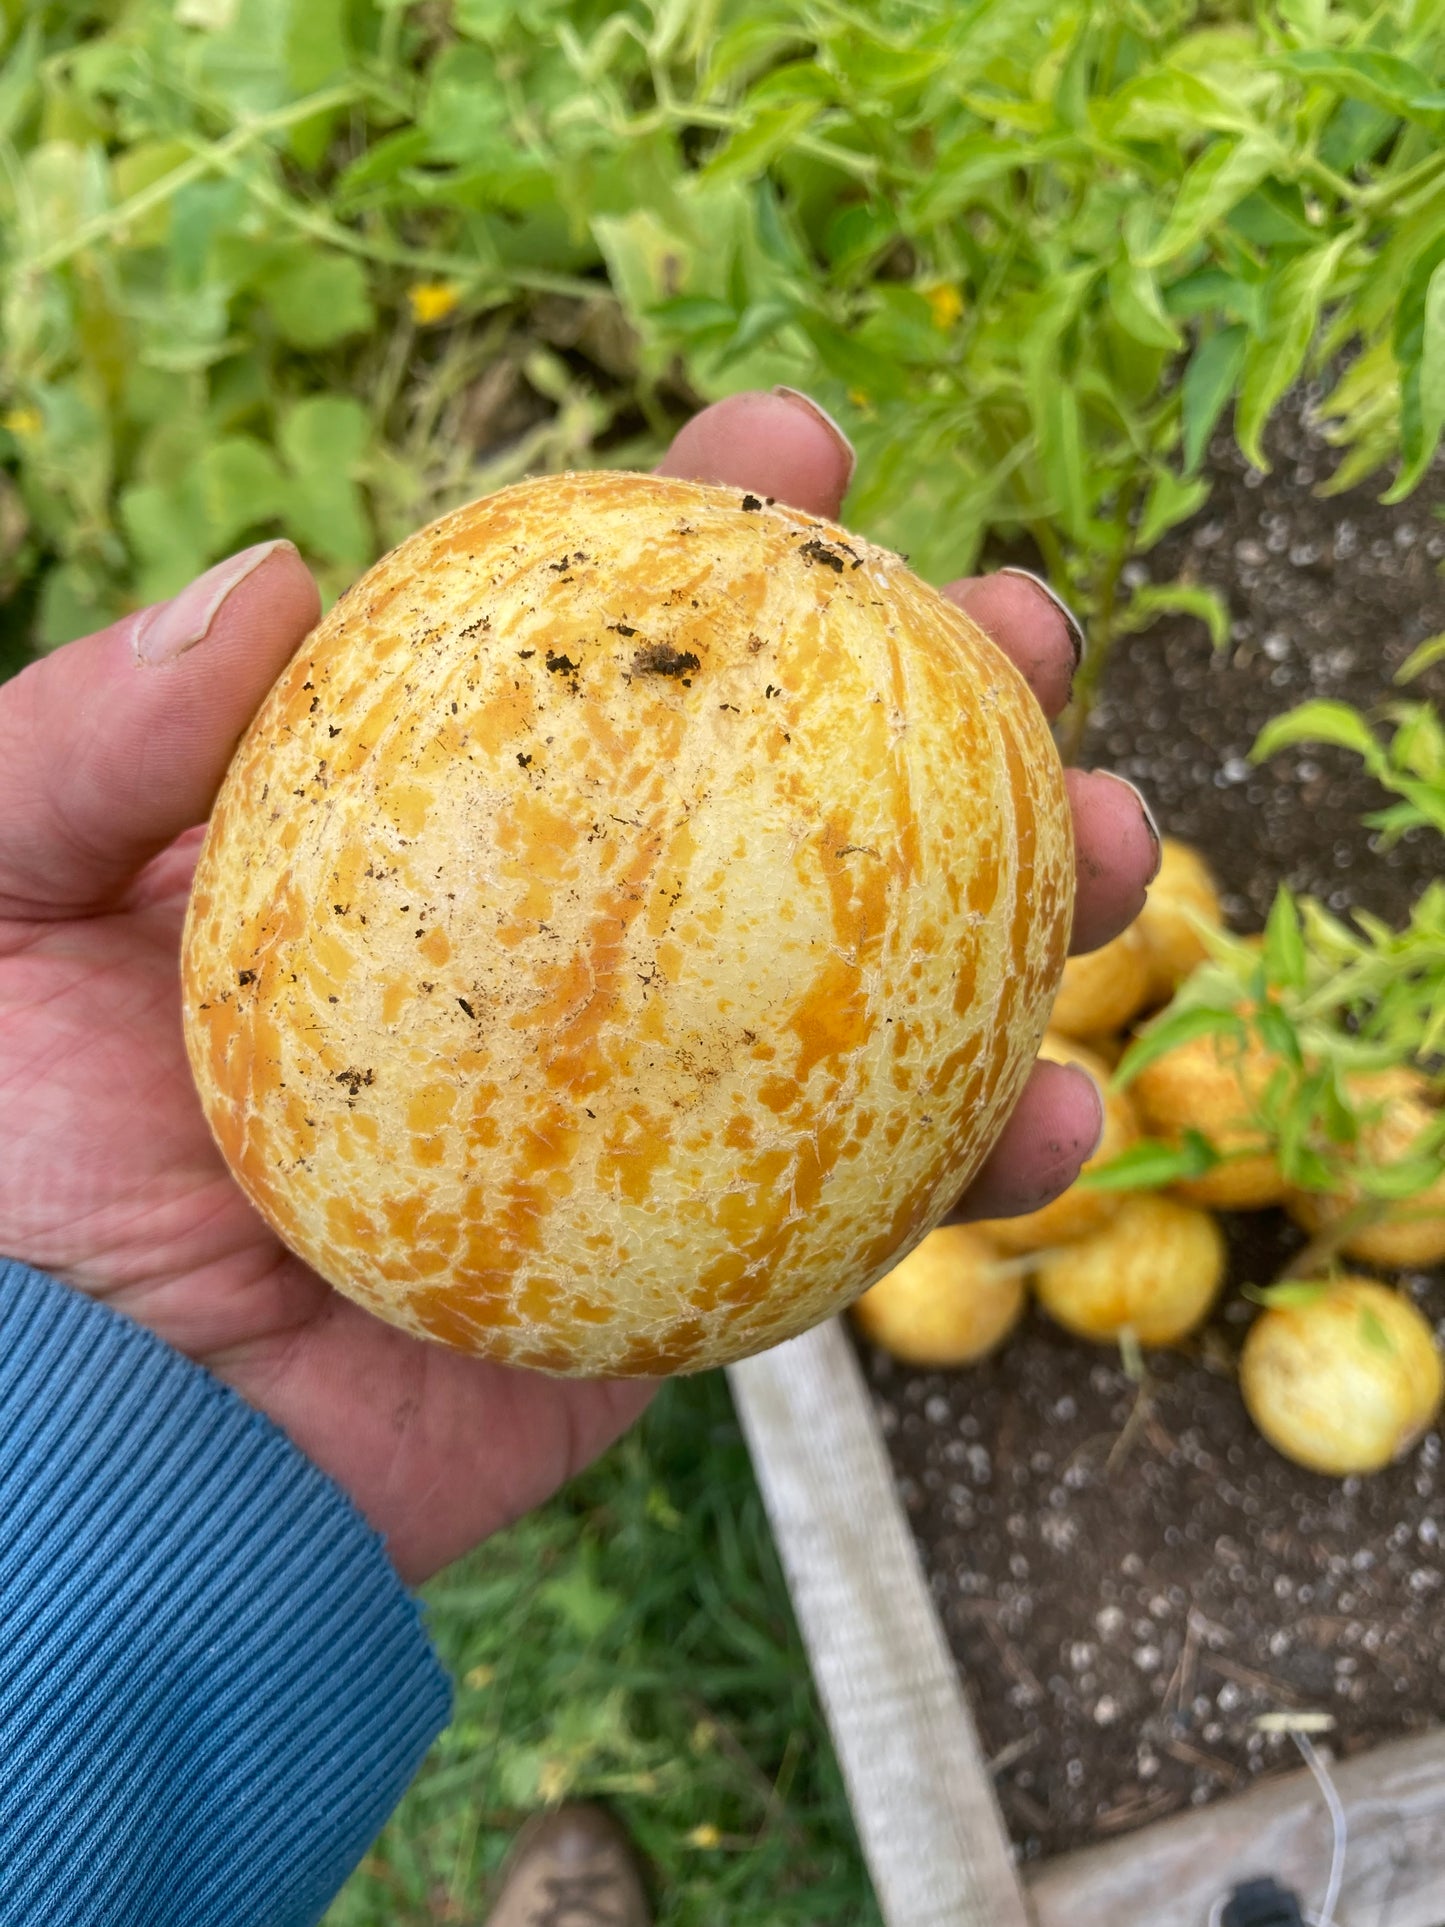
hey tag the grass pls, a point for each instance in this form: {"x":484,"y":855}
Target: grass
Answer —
{"x":632,"y":1641}
{"x":257,"y":255}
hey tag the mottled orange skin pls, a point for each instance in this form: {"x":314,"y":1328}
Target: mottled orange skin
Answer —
{"x":626,"y":926}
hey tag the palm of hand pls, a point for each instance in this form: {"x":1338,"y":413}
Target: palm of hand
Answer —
{"x":139,"y":1210}
{"x":111,"y":1181}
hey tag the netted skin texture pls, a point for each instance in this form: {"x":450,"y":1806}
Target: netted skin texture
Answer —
{"x":626,"y":925}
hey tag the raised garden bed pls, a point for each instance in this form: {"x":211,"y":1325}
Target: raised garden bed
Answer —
{"x":1123,"y":1589}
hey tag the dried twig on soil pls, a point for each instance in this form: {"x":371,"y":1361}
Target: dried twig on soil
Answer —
{"x":1195,"y":1756}
{"x":1009,"y":1755}
{"x":1255,"y":1682}
{"x":1137,"y":1421}
{"x":1135,"y":1810}
{"x":1013,"y":1660}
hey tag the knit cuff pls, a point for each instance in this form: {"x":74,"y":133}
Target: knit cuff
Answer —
{"x":213,"y":1686}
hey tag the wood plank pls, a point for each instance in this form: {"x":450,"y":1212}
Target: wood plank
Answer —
{"x":1394,"y":1799}
{"x":927,"y":1817}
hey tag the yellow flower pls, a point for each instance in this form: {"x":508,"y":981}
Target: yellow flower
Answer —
{"x":706,"y":1835}
{"x":554,"y":1782}
{"x":433,"y":301}
{"x":479,"y":1676}
{"x":946,"y":303}
{"x":22,"y":421}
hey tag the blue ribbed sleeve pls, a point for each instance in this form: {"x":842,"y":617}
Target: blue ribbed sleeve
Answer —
{"x":213,"y":1686}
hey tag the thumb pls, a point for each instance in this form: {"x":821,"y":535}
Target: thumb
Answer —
{"x":782,"y":444}
{"x":115,"y":744}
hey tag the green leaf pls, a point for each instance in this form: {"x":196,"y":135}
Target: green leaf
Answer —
{"x":1168,"y":104}
{"x":963,"y":169}
{"x":1275,"y":1030}
{"x":18,"y":90}
{"x":1060,"y":431}
{"x":758,"y":324}
{"x":753,"y":150}
{"x":325,"y":434}
{"x":1385,"y":80}
{"x":1274,"y":216}
{"x":1134,"y":297}
{"x":1150,"y":1163}
{"x":1319,"y":722}
{"x":1373,"y":1332}
{"x":381,"y":165}
{"x":1420,"y":351}
{"x":241,"y":487}
{"x":1356,"y":133}
{"x":1224,"y":173}
{"x":746,"y":46}
{"x":586,"y":1606}
{"x":794,"y":80}
{"x":648,"y":259}
{"x":1284,"y":946}
{"x":168,"y":529}
{"x":1171,"y":501}
{"x":1174,"y":1028}
{"x":872,"y":376}
{"x":1214,"y":293}
{"x":486,"y":20}
{"x":319,"y":299}
{"x":693,"y":314}
{"x":1209,"y":382}
{"x":200,"y":211}
{"x":1273,"y":359}
{"x":324,"y":439}
{"x":318,"y":46}
{"x":856,"y":233}
{"x":464,"y":111}
{"x":1154,"y":599}
{"x":1431,"y":651}
{"x":72,"y":604}
{"x":1290,"y":1295}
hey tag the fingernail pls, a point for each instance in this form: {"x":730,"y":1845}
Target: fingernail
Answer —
{"x":1093,"y":1084}
{"x":1148,"y":815}
{"x":803,"y":401}
{"x":171,"y":628}
{"x":1075,"y":627}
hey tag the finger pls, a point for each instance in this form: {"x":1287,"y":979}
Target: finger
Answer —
{"x":113,"y":745}
{"x":780,"y":444}
{"x":1116,"y":839}
{"x":1055,"y":1128}
{"x":1039,"y":634}
{"x":1117,"y":851}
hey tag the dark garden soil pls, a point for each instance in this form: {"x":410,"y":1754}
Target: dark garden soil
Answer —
{"x":1127,"y":1586}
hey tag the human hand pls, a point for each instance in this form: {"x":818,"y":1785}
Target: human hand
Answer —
{"x":109,"y":1178}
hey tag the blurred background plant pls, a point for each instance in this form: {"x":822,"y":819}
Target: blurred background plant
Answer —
{"x":329,"y":266}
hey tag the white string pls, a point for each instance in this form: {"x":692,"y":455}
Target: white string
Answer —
{"x":1326,"y":1916}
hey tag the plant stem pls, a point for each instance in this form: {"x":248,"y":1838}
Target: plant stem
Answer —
{"x":101,"y":226}
{"x":1101,"y":640}
{"x":1327,"y":1244}
{"x":396,"y":254}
